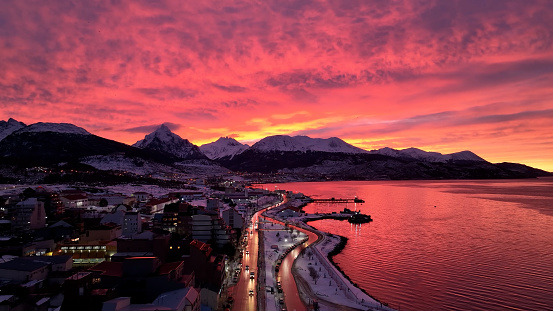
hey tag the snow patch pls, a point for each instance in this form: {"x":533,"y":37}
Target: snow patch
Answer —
{"x":65,"y":128}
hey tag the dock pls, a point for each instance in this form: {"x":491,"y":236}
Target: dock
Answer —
{"x":334,"y":200}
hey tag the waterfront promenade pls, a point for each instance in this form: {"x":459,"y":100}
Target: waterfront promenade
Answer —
{"x":308,"y":272}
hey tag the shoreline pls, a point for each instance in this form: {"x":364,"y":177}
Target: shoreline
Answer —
{"x":337,"y":250}
{"x":324,"y":249}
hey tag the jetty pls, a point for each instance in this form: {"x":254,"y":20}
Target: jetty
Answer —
{"x":334,"y":200}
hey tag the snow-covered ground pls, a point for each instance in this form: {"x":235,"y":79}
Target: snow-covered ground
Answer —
{"x":126,"y":189}
{"x":331,"y":287}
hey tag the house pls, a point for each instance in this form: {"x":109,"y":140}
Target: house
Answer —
{"x":74,"y":201}
{"x":191,"y":195}
{"x":29,"y":215}
{"x":23,"y":270}
{"x":141,"y":196}
{"x":57,"y":263}
{"x":157,"y":205}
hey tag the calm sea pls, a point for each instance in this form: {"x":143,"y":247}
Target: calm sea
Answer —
{"x":446,"y":245}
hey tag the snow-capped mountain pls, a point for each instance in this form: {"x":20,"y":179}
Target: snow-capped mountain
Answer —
{"x":421,"y":155}
{"x":42,"y":127}
{"x":304,"y":144}
{"x":166,"y":141}
{"x":10,"y":126}
{"x":223,"y":147}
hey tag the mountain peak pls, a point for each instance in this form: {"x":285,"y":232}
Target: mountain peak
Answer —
{"x":10,"y":126}
{"x":304,"y":144}
{"x":425,"y":156}
{"x":223,"y":147}
{"x":162,"y":139}
{"x":164,"y":129}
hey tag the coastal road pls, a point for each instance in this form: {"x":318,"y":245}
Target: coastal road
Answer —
{"x":289,"y":287}
{"x":292,"y":298}
{"x":240,"y":292}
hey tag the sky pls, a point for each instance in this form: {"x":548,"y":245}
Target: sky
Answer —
{"x":441,"y":75}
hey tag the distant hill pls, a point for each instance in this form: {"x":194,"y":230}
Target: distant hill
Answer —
{"x":163,"y":153}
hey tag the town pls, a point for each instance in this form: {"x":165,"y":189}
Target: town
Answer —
{"x":197,"y":248}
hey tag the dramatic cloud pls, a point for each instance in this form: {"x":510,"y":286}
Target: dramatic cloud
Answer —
{"x":438,"y":75}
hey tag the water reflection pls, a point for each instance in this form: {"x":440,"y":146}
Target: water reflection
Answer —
{"x":455,"y":245}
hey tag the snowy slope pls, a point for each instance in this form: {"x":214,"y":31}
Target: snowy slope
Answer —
{"x":65,"y":128}
{"x":223,"y":147}
{"x":122,"y":163}
{"x":166,"y":141}
{"x":303,"y":144}
{"x":10,"y":126}
{"x":421,"y":155}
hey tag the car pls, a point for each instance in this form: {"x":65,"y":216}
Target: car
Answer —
{"x":247,"y":252}
{"x":247,"y":268}
{"x":251,"y":292}
{"x":252,"y":275}
{"x":230,"y":299}
{"x":281,"y":300}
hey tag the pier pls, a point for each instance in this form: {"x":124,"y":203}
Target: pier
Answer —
{"x":334,"y":200}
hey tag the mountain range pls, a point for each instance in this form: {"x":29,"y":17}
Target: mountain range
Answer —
{"x":162,"y":153}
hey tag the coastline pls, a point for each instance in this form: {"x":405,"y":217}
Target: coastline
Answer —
{"x":338,"y":287}
{"x":337,"y":250}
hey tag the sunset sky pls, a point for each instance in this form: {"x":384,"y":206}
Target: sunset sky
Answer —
{"x":442,"y":76}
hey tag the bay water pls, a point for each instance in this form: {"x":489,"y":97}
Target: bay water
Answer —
{"x":445,"y":245}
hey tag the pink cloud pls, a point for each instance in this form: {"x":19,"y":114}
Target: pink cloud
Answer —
{"x":447,"y":75}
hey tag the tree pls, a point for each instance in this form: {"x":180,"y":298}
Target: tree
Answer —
{"x":314,"y":274}
{"x":103,"y":202}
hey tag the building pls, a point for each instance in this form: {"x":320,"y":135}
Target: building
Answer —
{"x":103,"y":232}
{"x":202,"y":227}
{"x":74,"y":201}
{"x":157,"y":205}
{"x":141,"y":196}
{"x":132,"y":223}
{"x":176,"y":218}
{"x":145,"y":244}
{"x":186,"y":299}
{"x":213,"y":204}
{"x":209,"y":268}
{"x":232,"y":218}
{"x":29,"y":215}
{"x":22,"y":270}
{"x":89,"y":253}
